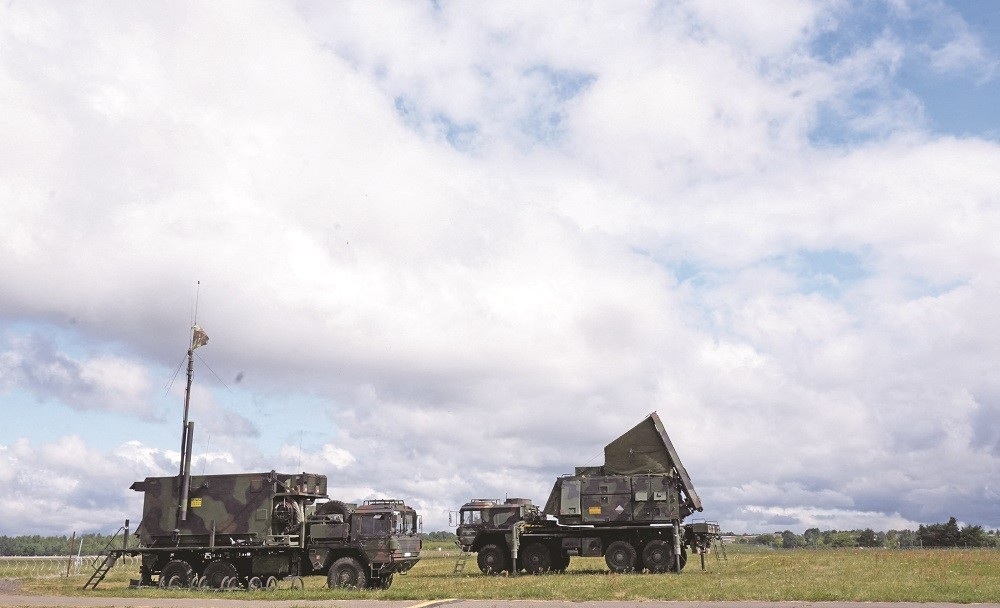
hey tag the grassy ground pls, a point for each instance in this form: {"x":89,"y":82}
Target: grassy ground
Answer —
{"x":807,"y":575}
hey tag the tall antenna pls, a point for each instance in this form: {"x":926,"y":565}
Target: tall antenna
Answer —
{"x":298,"y":465}
{"x":198,"y":338}
{"x":197,"y":293}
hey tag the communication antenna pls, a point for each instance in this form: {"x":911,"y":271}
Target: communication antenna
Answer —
{"x":197,"y":294}
{"x":298,"y":465}
{"x":198,"y":338}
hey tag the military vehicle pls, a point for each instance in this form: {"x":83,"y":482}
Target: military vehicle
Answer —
{"x":251,"y":530}
{"x":629,"y":511}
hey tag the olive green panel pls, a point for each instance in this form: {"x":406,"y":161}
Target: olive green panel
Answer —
{"x":606,"y":485}
{"x":338,"y":530}
{"x":646,"y":448}
{"x":600,"y":508}
{"x":570,"y":497}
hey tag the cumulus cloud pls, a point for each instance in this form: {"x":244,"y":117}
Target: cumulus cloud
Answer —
{"x":461,"y":271}
{"x":35,"y":364}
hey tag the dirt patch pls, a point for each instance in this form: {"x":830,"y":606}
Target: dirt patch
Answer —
{"x":10,"y":585}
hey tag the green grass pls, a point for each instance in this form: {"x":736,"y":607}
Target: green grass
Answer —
{"x":963,"y":576}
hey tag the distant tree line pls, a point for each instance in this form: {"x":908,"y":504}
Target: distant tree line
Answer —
{"x":441,"y":535}
{"x":934,"y":535}
{"x":27,"y":546}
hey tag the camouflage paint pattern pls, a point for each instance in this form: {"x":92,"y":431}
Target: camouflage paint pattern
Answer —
{"x":242,"y":507}
{"x":270,"y":524}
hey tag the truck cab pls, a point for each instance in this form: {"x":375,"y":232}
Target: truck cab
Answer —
{"x":364,"y":546}
{"x":485,"y":526}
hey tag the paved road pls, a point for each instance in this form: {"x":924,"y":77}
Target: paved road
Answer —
{"x":43,"y":601}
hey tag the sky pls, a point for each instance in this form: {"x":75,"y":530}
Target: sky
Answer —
{"x":447,"y":250}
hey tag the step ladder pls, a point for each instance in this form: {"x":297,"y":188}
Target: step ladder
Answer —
{"x":463,"y":557}
{"x":107,"y":557}
{"x":102,"y":570}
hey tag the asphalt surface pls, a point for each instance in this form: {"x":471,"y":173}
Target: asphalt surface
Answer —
{"x":36,"y":601}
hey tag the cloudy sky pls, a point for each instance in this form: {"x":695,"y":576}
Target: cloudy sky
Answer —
{"x":451,"y":249}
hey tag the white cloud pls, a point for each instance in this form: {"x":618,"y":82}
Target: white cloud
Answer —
{"x":465,"y":246}
{"x":101,"y":382}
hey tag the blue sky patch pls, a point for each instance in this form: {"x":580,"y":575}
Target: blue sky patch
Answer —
{"x":826,"y":271}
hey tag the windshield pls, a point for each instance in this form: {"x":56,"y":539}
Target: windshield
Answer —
{"x":375,"y":525}
{"x":472,"y":517}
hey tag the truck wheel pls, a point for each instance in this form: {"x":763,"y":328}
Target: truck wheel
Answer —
{"x":346,"y":572}
{"x":657,"y":556}
{"x":560,"y":563}
{"x":176,"y":573}
{"x":537,"y":558}
{"x":219,"y":572}
{"x":491,"y":559}
{"x":621,"y":556}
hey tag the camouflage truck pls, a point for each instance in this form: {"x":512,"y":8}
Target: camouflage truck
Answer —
{"x":251,"y":530}
{"x":629,"y":511}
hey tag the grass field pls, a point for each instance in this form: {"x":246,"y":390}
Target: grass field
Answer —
{"x":964,"y":576}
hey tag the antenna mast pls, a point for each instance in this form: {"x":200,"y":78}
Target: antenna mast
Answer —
{"x":198,"y":338}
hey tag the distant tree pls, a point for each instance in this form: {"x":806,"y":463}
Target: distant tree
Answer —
{"x":940,"y":535}
{"x":764,"y":539}
{"x":843,"y":539}
{"x":789,"y":540}
{"x":812,"y":537}
{"x":868,"y":538}
{"x":828,"y":537}
{"x":903,"y":539}
{"x":973,"y":536}
{"x":440,"y":535}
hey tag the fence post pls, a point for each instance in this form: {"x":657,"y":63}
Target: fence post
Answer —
{"x":69,"y":553}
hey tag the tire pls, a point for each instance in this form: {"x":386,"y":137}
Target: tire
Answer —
{"x":218,"y":573}
{"x":176,"y":569}
{"x":491,"y":559}
{"x":255,"y":584}
{"x":346,"y":572}
{"x":657,"y":556}
{"x":560,"y":562}
{"x":536,"y":558}
{"x":621,"y":557}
